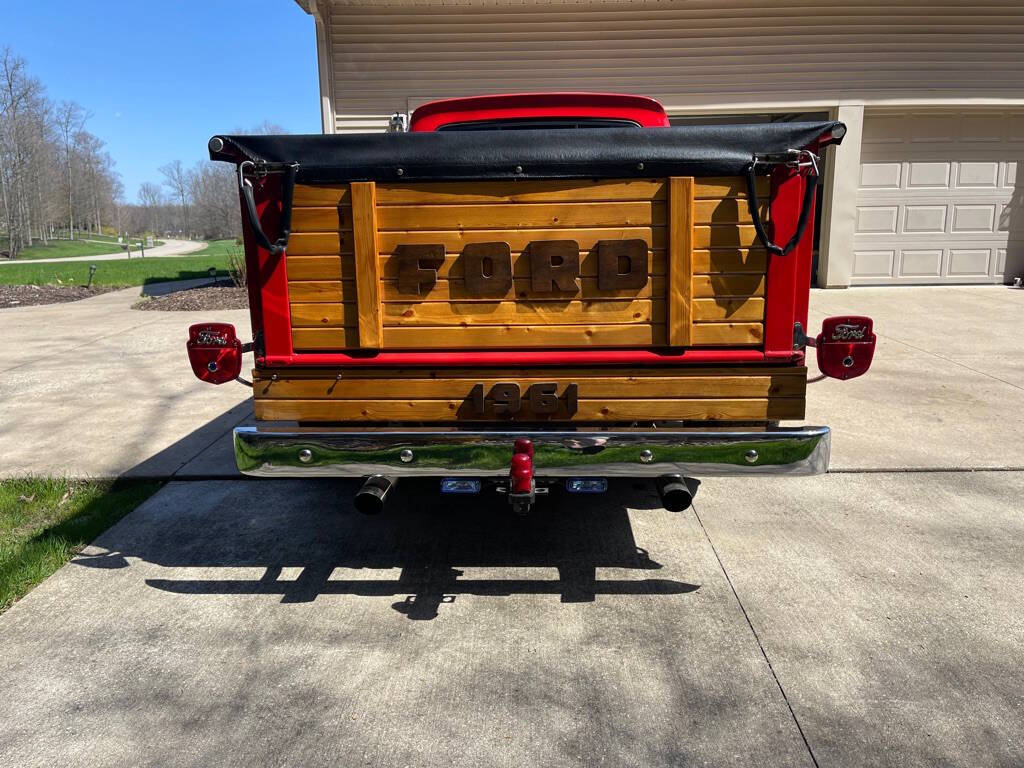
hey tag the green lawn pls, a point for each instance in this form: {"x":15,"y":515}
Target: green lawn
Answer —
{"x":119,"y":272}
{"x":221,"y":248}
{"x":83,"y":245}
{"x":44,"y":522}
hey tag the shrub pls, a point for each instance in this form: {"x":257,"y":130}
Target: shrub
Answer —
{"x":236,"y":268}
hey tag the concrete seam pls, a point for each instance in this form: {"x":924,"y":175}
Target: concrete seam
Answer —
{"x":757,"y":639}
{"x":954,"y":362}
{"x":206,"y":447}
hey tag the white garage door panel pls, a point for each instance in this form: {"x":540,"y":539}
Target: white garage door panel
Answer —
{"x":938,"y":200}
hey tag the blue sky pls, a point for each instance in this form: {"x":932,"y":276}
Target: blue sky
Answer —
{"x":162,"y":76}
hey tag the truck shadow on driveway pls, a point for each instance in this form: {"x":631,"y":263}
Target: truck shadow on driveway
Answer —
{"x":282,"y":525}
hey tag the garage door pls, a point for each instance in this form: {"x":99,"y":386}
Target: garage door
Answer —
{"x":938,"y":200}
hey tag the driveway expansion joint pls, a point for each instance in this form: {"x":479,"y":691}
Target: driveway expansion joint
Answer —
{"x":757,"y":638}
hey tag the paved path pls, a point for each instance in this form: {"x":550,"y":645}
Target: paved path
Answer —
{"x":169,"y":248}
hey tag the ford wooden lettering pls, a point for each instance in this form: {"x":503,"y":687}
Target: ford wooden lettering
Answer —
{"x":524,"y":307}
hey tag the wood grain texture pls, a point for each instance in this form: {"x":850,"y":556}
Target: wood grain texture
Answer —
{"x":522,"y":215}
{"x":680,"y":261}
{"x":705,"y":270}
{"x":741,"y":392}
{"x":625,"y":311}
{"x":704,"y":237}
{"x":367,"y":265}
{"x":603,"y":410}
{"x":594,"y":383}
{"x":576,"y":190}
{"x":342,"y":266}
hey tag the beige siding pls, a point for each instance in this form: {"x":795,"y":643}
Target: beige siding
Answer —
{"x":698,"y":54}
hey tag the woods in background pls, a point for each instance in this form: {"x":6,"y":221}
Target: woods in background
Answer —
{"x":54,"y":174}
{"x":57,"y":181}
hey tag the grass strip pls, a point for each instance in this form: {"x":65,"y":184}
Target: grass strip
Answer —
{"x":44,"y":522}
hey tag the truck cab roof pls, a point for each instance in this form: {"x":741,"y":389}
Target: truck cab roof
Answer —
{"x":512,"y":111}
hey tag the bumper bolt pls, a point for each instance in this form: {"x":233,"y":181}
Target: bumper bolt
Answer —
{"x":646,"y":457}
{"x":406,"y":456}
{"x":305,"y":455}
{"x":751,"y":456}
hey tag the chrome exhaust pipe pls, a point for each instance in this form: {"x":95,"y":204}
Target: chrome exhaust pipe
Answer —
{"x":370,"y":498}
{"x":677,"y":492}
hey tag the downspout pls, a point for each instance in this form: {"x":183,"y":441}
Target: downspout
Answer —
{"x":321,"y":19}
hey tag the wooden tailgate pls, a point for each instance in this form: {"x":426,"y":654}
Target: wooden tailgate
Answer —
{"x":356,"y":251}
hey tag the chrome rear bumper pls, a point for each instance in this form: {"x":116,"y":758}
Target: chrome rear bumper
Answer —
{"x":266,"y":452}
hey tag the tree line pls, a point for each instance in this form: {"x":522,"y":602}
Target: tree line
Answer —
{"x":57,"y":180}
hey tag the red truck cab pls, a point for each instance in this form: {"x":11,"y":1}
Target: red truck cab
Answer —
{"x":525,"y":289}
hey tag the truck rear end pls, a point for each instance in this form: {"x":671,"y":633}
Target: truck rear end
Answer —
{"x":509,"y":309}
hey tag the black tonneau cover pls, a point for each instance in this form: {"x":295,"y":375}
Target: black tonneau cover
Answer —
{"x":698,"y":150}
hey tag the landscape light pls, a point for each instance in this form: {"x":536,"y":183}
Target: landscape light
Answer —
{"x":92,"y":271}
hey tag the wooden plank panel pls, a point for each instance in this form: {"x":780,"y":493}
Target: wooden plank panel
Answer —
{"x":321,"y":267}
{"x":322,"y":243}
{"x":324,"y":315}
{"x":455,"y":290}
{"x":331,"y":195}
{"x":523,"y":313}
{"x":520,"y":215}
{"x":454,"y":241}
{"x":498,"y":192}
{"x":680,"y":258}
{"x":398,"y":385}
{"x":725,"y":236}
{"x":323,"y":290}
{"x":739,"y":309}
{"x":493,"y":337}
{"x":701,"y":409}
{"x":725,"y":260}
{"x":727,"y":186}
{"x":727,"y":334}
{"x":704,"y":262}
{"x":711,"y":286}
{"x":364,"y":232}
{"x":526,"y":191}
{"x":453,"y":265}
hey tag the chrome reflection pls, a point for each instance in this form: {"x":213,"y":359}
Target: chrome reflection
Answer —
{"x":267,"y":452}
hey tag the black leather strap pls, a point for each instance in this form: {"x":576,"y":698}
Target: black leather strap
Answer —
{"x":287,"y":191}
{"x":810,"y":180}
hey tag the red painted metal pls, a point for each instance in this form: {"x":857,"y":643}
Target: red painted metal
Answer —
{"x":646,"y":112}
{"x":521,"y":473}
{"x":268,"y":278}
{"x":523,"y":445}
{"x":214,"y":352}
{"x":845,"y":346}
{"x":789,"y":277}
{"x":514,"y":358}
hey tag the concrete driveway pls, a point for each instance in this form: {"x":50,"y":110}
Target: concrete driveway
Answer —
{"x":868,"y":617}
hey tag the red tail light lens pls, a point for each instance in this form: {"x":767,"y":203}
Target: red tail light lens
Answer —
{"x":214,"y":352}
{"x":845,"y":346}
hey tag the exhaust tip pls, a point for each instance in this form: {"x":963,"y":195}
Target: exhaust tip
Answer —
{"x":677,"y":492}
{"x":370,"y":498}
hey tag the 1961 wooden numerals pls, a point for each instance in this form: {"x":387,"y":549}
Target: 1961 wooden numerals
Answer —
{"x":542,"y":398}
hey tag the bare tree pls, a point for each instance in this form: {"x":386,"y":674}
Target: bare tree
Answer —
{"x":176,"y":178}
{"x":152,"y":199}
{"x":70,"y":123}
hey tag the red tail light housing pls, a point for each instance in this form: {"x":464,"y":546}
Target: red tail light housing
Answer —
{"x":845,"y":346}
{"x":214,"y":352}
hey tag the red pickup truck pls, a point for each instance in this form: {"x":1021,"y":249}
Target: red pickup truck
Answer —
{"x":529,"y":290}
